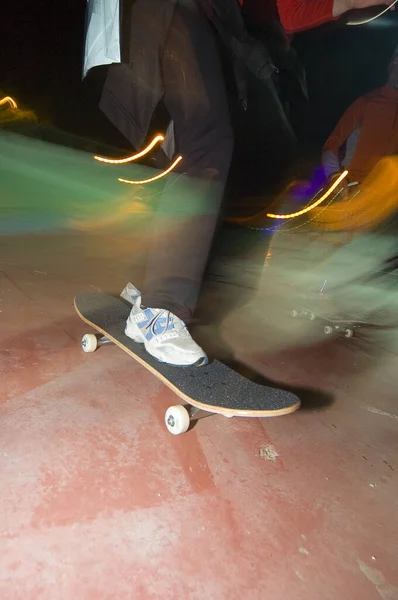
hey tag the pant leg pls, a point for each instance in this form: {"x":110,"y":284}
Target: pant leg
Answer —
{"x":187,"y":214}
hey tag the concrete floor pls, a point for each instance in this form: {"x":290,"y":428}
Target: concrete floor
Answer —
{"x":99,"y":501}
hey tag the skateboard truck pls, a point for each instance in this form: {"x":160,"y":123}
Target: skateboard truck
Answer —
{"x":178,"y":418}
{"x":90,"y":342}
{"x":335,"y":326}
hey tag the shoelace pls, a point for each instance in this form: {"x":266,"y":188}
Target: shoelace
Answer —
{"x":170,"y":318}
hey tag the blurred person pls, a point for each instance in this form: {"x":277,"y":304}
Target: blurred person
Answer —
{"x":367,"y":131}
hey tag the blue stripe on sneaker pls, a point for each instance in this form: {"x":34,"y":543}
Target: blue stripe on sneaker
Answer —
{"x":155,"y":324}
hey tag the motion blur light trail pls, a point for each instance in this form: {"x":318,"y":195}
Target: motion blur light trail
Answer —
{"x":344,"y":240}
{"x":314,"y":204}
{"x":156,"y":177}
{"x":376,"y":201}
{"x":121,"y":161}
{"x":340,"y":260}
{"x":8,"y":100}
{"x":141,"y":154}
{"x":45,"y":187}
{"x":9,"y":111}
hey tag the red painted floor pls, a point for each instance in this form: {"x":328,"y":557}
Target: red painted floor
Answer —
{"x":99,"y":501}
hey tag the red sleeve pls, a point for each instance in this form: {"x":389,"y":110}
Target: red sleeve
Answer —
{"x":348,"y":122}
{"x":298,"y":15}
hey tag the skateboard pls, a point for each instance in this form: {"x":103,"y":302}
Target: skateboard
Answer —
{"x":211,"y":389}
{"x":332,"y":326}
{"x":338,"y":326}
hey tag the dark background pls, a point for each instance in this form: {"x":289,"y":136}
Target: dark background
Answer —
{"x":41,"y":57}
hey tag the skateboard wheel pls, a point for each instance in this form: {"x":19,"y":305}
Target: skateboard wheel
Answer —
{"x":294,"y":313}
{"x":177,"y":419}
{"x":311,"y":316}
{"x":348,"y":333}
{"x":328,"y":330}
{"x":89,"y":342}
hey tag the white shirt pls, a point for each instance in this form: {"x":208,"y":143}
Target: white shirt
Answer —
{"x":102,"y":44}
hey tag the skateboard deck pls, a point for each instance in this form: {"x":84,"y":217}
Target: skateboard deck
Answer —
{"x":214,"y":388}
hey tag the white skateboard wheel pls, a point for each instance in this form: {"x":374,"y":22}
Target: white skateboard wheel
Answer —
{"x":89,"y":342}
{"x":328,"y":330}
{"x":294,"y":313}
{"x":177,"y":419}
{"x":348,"y":333}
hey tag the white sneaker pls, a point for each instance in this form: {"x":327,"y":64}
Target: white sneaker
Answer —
{"x":165,"y":336}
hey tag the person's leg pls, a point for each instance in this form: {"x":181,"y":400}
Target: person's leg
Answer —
{"x":188,"y":210}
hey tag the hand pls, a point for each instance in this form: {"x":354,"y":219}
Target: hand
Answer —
{"x":357,"y":4}
{"x":342,"y":6}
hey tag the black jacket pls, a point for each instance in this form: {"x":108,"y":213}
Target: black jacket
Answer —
{"x":134,"y":88}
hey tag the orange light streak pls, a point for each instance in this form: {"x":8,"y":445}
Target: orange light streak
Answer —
{"x":314,"y":204}
{"x":143,"y":181}
{"x":10,"y":101}
{"x":121,"y":161}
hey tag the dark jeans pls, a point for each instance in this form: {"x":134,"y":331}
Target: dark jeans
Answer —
{"x":187,"y":213}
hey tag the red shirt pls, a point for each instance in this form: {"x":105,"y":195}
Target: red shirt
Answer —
{"x":295,"y":15}
{"x":376,"y":116}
